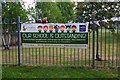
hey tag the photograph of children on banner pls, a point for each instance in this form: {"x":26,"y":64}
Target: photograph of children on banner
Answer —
{"x":63,"y":28}
{"x":51,"y":27}
{"x":39,"y":28}
{"x":43,"y":28}
{"x":55,"y":27}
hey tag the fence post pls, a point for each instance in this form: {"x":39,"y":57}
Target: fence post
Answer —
{"x":93,"y":40}
{"x":18,"y":24}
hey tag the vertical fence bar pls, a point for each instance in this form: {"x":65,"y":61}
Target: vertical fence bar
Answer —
{"x":109,"y":50}
{"x":81,"y":57}
{"x":36,"y":56}
{"x":74,"y":56}
{"x":22,"y":55}
{"x":97,"y":44}
{"x":12,"y":43}
{"x":3,"y":58}
{"x":89,"y":48}
{"x":117,"y":45}
{"x":12,"y":46}
{"x":15,"y":51}
{"x":1,"y":34}
{"x":46,"y":53}
{"x":4,"y":38}
{"x":39,"y":55}
{"x":8,"y":45}
{"x":56,"y":56}
{"x":70,"y":56}
{"x":67,"y":56}
{"x":18,"y":40}
{"x":49,"y":56}
{"x":8,"y":54}
{"x":85,"y":57}
{"x":25,"y":55}
{"x":32,"y":55}
{"x":64,"y":56}
{"x":118,"y":49}
{"x":105,"y":49}
{"x":60,"y":56}
{"x":52,"y":55}
{"x":93,"y":36}
{"x":78,"y":57}
{"x":101,"y":46}
{"x":46,"y":56}
{"x":29,"y":54}
{"x":112,"y":48}
{"x":27,"y":59}
{"x":40,"y":51}
{"x":42,"y":55}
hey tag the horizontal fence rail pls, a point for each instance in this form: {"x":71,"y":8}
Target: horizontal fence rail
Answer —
{"x":106,"y":50}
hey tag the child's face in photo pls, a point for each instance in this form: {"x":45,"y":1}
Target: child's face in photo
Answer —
{"x":62,"y":27}
{"x":67,"y":28}
{"x":56,"y":28}
{"x":39,"y":28}
{"x":45,"y":28}
{"x":50,"y":27}
{"x":74,"y":28}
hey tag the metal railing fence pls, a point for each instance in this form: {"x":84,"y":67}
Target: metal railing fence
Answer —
{"x":105,"y":43}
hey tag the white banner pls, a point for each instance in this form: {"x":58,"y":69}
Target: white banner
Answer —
{"x":68,"y":35}
{"x":36,"y":27}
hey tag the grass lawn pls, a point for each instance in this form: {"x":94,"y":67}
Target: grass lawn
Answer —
{"x":55,"y":72}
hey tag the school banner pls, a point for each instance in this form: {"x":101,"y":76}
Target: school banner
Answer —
{"x":72,"y":35}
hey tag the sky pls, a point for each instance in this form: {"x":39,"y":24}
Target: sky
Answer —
{"x":28,"y":2}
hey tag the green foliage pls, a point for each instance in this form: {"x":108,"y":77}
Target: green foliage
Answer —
{"x":55,"y":12}
{"x":31,"y":11}
{"x":49,"y":10}
{"x":102,"y":10}
{"x":67,"y":10}
{"x":12,"y":10}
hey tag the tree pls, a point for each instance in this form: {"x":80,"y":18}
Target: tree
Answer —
{"x":10,"y":11}
{"x":13,"y":9}
{"x":49,"y":10}
{"x":56,"y":11}
{"x":102,"y":10}
{"x":31,"y":11}
{"x":97,"y":11}
{"x":67,"y":10}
